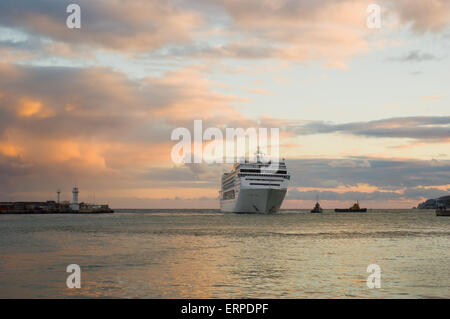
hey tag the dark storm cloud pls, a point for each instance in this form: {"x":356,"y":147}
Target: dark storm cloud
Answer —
{"x":420,"y":127}
{"x":294,"y":194}
{"x":383,"y":173}
{"x":417,"y":177}
{"x":399,"y":179}
{"x":388,"y":174}
{"x":408,"y":194}
{"x":10,"y":169}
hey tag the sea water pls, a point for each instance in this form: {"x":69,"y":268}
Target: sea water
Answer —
{"x":207,"y":254}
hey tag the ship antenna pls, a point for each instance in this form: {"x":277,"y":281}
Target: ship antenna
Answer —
{"x":257,"y":154}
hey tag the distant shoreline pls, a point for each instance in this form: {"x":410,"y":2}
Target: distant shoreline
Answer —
{"x":53,"y":213}
{"x":216,"y":210}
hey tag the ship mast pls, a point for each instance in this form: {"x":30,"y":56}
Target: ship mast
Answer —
{"x":258,"y":155}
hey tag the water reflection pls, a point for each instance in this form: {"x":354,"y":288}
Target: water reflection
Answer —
{"x":167,"y":255}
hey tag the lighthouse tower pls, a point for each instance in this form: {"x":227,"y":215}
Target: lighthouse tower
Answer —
{"x":75,"y":205}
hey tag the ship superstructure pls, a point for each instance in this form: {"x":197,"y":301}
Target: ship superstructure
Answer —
{"x":254,"y":187}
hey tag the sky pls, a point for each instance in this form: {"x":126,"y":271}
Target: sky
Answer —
{"x":363,"y":112}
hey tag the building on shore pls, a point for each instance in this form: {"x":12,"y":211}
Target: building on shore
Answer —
{"x":52,"y":207}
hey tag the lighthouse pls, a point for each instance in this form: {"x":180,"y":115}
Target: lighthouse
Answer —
{"x":75,"y":205}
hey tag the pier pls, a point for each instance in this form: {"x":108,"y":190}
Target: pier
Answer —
{"x":52,"y":207}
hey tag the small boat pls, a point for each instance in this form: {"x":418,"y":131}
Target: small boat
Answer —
{"x":317,"y":208}
{"x":354,"y":209}
{"x":442,"y":210}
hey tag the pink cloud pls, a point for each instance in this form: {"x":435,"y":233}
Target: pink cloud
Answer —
{"x":423,"y":15}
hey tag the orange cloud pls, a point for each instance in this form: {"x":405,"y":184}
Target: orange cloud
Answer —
{"x":8,"y":149}
{"x":29,"y":107}
{"x":261,"y":91}
{"x":195,"y":98}
{"x":433,"y":97}
{"x":303,"y":30}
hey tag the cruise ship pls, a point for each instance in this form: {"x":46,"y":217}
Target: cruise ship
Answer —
{"x":254,"y":187}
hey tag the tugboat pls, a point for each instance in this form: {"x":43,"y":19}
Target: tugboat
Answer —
{"x":354,"y":209}
{"x":441,"y":210}
{"x":317,"y":209}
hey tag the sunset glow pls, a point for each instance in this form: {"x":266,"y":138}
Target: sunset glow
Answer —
{"x":363,"y":113}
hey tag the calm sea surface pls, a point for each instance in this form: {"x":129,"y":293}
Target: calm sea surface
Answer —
{"x":206,"y":254}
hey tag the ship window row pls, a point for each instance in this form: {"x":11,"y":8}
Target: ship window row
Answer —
{"x":259,"y":171}
{"x":267,"y":175}
{"x":264,"y":184}
{"x":259,"y":179}
{"x":261,"y":164}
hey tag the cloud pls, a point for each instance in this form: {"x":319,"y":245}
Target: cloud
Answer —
{"x":416,"y":56}
{"x":287,"y":30}
{"x":331,"y":31}
{"x":423,"y":16}
{"x":345,"y":196}
{"x":415,"y":194}
{"x":349,"y":163}
{"x":327,"y":30}
{"x":396,"y":180}
{"x":135,"y":26}
{"x":261,"y":91}
{"x":96,"y":127}
{"x":420,"y":128}
{"x":63,"y":102}
{"x":386,"y":174}
{"x":433,"y":97}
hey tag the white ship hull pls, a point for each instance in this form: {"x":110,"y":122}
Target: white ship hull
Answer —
{"x":255,"y":200}
{"x":254,"y":187}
